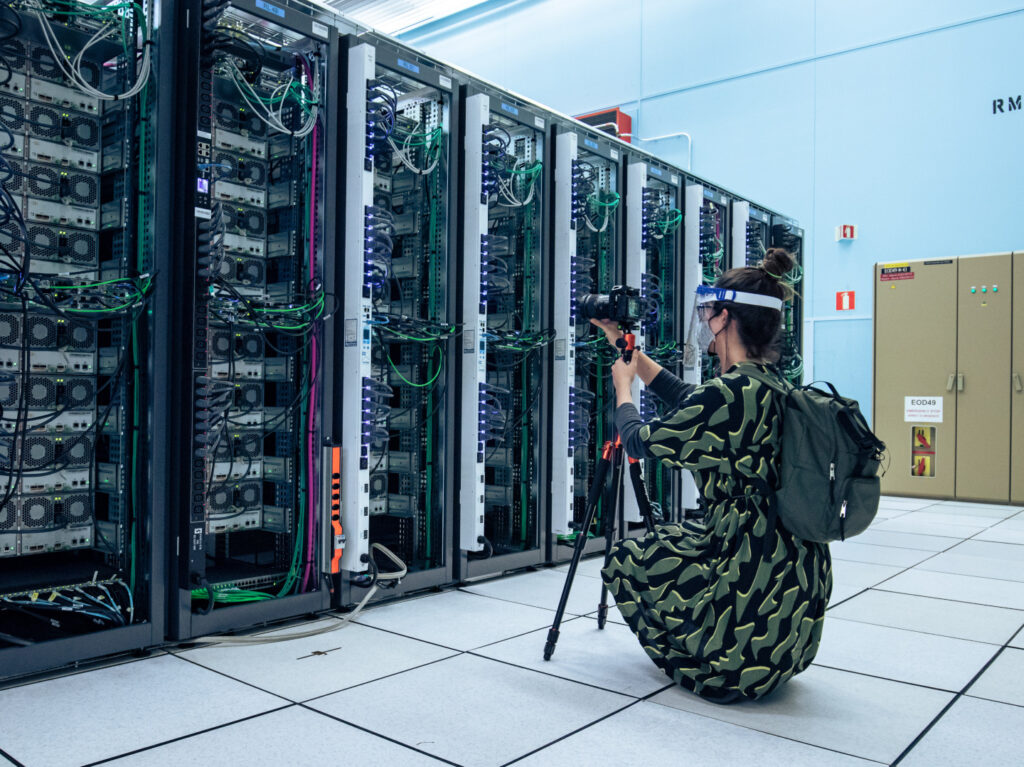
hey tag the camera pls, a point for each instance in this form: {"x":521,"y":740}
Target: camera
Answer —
{"x":622,"y":304}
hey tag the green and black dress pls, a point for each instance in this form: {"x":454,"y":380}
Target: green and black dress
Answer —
{"x":732,"y":606}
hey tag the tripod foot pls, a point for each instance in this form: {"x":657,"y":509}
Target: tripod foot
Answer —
{"x":549,"y":646}
{"x":602,"y":615}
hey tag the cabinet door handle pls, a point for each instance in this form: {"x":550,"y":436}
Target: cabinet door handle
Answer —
{"x":1017,"y":383}
{"x":959,"y":381}
{"x":951,"y":382}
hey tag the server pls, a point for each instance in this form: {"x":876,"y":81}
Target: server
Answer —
{"x":505,"y":337}
{"x":80,"y":565}
{"x":587,"y":243}
{"x":948,"y":384}
{"x":398,"y":306}
{"x":787,"y":233}
{"x":256,"y":103}
{"x":750,"y":234}
{"x":653,"y":257}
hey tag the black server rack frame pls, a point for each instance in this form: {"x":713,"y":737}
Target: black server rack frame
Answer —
{"x":81,"y":569}
{"x":503,"y":452}
{"x":654,"y":263}
{"x":394,"y":427}
{"x":587,"y":244}
{"x":256,"y":114}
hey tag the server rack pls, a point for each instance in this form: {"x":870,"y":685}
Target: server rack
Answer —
{"x":506,"y":331}
{"x":398,"y":304}
{"x":80,"y":543}
{"x":750,"y":233}
{"x":586,"y":238}
{"x":787,"y":233}
{"x":653,"y":260}
{"x":256,"y":110}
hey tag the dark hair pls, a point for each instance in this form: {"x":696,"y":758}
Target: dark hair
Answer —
{"x":758,"y":326}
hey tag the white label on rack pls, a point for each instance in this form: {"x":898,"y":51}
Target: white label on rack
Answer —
{"x":469,"y":340}
{"x":674,"y":178}
{"x":445,"y":81}
{"x":539,"y":122}
{"x":320,"y":30}
{"x":203,"y":213}
{"x":614,"y":153}
{"x":922,"y":409}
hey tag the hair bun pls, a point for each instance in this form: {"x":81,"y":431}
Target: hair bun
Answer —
{"x":777,"y":262}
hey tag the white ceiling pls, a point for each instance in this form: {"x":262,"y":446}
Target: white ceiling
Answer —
{"x":393,"y":17}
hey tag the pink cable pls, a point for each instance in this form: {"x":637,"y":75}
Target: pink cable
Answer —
{"x":310,"y":450}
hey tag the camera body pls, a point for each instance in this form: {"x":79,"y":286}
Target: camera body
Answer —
{"x":622,"y":304}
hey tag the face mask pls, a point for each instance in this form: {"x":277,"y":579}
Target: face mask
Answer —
{"x":705,"y":335}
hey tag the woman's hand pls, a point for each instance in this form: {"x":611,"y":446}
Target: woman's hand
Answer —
{"x":622,"y":377}
{"x":611,"y":330}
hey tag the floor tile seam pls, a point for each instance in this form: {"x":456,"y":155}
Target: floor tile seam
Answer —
{"x":946,"y":690}
{"x":947,"y":599}
{"x":11,"y":759}
{"x":60,"y":673}
{"x":232,"y":678}
{"x":971,"y":575}
{"x":554,"y":676}
{"x":993,"y":700}
{"x":407,"y":636}
{"x":526,"y":633}
{"x":747,"y":726}
{"x":189,"y":735}
{"x":918,"y":631}
{"x":570,"y":734}
{"x":455,"y":654}
{"x":960,"y":694}
{"x":378,"y":735}
{"x":512,"y":601}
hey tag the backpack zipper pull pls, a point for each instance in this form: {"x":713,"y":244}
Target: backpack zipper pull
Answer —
{"x":842,"y":522}
{"x":832,"y":471}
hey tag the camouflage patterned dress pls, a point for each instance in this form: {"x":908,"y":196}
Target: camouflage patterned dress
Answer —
{"x":733,"y":606}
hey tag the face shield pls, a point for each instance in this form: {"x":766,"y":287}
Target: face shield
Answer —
{"x":699,"y":334}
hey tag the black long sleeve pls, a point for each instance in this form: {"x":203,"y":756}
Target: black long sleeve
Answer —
{"x":628,"y":423}
{"x":670,"y":388}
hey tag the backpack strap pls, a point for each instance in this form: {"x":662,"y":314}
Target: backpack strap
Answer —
{"x":776,"y":384}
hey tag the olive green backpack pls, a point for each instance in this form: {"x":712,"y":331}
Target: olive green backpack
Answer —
{"x":829,"y":488}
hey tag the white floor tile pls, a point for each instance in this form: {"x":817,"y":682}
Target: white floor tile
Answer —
{"x":904,"y":656}
{"x":591,"y":567}
{"x":472,"y":710}
{"x":910,"y":504}
{"x":294,"y":735}
{"x":458,"y":619}
{"x":956,"y":516}
{"x":1018,"y":641}
{"x":640,"y":735}
{"x":854,"y":551}
{"x":973,"y":732}
{"x":855,"y":714}
{"x":961,"y":588}
{"x":542,"y":589}
{"x":1002,"y":680}
{"x":301,"y":669}
{"x":978,"y":623}
{"x":4,"y":762}
{"x":1009,"y":508}
{"x":1010,"y":531}
{"x":877,"y":537}
{"x":915,"y":522}
{"x":974,"y":509}
{"x":859,"y":575}
{"x":985,"y":559}
{"x":611,"y":658}
{"x":110,"y":711}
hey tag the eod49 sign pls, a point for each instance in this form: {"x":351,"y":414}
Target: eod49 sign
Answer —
{"x":922,"y":409}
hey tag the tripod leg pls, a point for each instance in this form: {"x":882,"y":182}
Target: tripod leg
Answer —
{"x":643,"y":502}
{"x":600,"y":476}
{"x":614,"y":511}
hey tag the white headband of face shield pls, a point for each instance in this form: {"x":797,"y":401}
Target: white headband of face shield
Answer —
{"x":700,"y":336}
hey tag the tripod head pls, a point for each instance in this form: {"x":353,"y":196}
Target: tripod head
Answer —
{"x":626,"y":344}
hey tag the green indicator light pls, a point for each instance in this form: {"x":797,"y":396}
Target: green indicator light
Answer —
{"x":995,"y":288}
{"x":984,"y":290}
{"x":974,"y":290}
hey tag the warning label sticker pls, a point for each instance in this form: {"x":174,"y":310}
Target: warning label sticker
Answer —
{"x":896,"y":272}
{"x":922,"y":409}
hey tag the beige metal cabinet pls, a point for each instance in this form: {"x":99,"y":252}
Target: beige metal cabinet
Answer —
{"x":1017,"y":384}
{"x":915,"y":357}
{"x":984,"y":313}
{"x":949,"y":376}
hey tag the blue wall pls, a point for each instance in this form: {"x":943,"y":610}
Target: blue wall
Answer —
{"x":869,"y":112}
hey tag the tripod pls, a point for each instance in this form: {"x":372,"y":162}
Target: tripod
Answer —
{"x":611,"y":461}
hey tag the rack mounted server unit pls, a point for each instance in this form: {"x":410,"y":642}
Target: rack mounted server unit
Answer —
{"x":653,"y":259}
{"x":505,"y":334}
{"x":586,"y":244}
{"x":398,"y":337}
{"x":80,"y":549}
{"x":257,"y":111}
{"x":787,"y":233}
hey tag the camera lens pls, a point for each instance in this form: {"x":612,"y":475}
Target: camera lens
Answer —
{"x":593,"y":306}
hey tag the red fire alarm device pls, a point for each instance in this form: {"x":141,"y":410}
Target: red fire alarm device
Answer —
{"x":846,"y":301}
{"x":846,"y":232}
{"x":613,"y":121}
